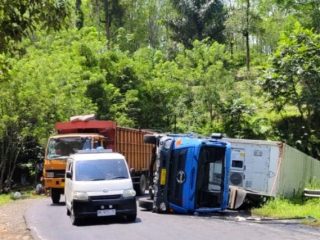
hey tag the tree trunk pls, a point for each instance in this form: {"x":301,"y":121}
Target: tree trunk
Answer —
{"x":79,"y":15}
{"x":107,"y":20}
{"x":247,"y":36}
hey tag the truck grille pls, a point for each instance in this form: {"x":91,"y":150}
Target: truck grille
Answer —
{"x":105,"y":197}
{"x":57,"y":173}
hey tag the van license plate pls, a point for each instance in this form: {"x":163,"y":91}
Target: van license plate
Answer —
{"x":106,"y":212}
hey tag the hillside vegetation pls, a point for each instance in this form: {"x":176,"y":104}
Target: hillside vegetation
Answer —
{"x":247,"y":68}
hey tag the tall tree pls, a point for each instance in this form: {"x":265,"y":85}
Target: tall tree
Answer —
{"x":197,"y":19}
{"x":293,"y":81}
{"x":21,"y":17}
{"x":79,"y":15}
{"x":110,"y":13}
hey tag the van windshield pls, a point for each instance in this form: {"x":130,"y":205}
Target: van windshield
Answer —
{"x":65,"y":146}
{"x":99,"y":170}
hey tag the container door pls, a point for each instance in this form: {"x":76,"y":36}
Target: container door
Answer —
{"x":257,"y":167}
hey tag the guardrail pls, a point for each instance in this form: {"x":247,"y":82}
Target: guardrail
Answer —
{"x":312,"y":193}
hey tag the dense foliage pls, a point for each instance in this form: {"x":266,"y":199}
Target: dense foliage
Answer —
{"x":248,"y":68}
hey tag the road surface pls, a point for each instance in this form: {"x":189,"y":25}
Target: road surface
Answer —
{"x":50,"y":222}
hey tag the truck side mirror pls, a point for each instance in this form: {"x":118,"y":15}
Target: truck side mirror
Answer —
{"x":68,"y":174}
{"x":151,"y":139}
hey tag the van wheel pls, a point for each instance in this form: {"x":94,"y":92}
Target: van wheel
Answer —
{"x":143,"y":185}
{"x":131,"y":217}
{"x":55,"y":195}
{"x":74,"y":218}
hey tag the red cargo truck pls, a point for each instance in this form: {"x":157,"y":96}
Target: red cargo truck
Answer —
{"x":81,"y":135}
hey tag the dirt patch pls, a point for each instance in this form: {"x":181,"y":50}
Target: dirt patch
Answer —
{"x":12,"y":222}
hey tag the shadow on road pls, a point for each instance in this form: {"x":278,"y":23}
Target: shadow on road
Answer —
{"x":106,"y":221}
{"x":58,"y":204}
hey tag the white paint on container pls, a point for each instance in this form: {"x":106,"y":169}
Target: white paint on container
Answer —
{"x":270,"y":168}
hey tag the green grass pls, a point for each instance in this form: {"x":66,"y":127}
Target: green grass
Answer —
{"x":5,"y":198}
{"x":294,"y":208}
{"x":313,"y":184}
{"x":26,"y":192}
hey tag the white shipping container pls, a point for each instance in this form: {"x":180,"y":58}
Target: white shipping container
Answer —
{"x":270,"y":168}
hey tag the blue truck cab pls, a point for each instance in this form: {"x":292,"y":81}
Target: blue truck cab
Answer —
{"x":190,"y":174}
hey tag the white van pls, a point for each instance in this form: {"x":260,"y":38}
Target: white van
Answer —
{"x":98,"y":184}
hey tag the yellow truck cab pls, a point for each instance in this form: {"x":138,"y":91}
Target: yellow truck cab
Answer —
{"x":59,"y":148}
{"x":98,"y":184}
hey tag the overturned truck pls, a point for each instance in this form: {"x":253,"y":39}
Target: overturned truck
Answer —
{"x":188,"y":174}
{"x":262,"y":169}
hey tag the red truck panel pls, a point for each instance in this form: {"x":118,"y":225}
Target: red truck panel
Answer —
{"x":92,"y":126}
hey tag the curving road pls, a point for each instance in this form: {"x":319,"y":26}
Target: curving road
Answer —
{"x":50,"y":222}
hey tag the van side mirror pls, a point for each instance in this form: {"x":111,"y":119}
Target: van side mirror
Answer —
{"x":68,"y":174}
{"x":132,"y":171}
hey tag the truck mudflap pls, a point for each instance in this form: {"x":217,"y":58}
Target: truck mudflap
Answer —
{"x":242,"y":198}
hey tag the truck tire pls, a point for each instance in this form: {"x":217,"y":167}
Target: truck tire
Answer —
{"x":142,"y":186}
{"x":151,"y":139}
{"x":55,"y":195}
{"x":146,"y":203}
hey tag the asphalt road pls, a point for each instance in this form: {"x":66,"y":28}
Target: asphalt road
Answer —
{"x":50,"y":222}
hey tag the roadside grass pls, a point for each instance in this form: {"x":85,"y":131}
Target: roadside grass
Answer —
{"x":26,"y":192}
{"x":298,"y":207}
{"x":5,"y":198}
{"x":313,"y":184}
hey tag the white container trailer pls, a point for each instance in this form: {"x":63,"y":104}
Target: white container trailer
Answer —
{"x":269,"y":168}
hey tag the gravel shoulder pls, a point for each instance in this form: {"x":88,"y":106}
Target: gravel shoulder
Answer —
{"x":12,"y":222}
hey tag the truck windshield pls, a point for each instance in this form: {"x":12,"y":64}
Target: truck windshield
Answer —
{"x":98,"y":170}
{"x":64,"y":146}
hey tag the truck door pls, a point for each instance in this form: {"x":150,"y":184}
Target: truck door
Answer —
{"x":69,"y":185}
{"x":210,"y":179}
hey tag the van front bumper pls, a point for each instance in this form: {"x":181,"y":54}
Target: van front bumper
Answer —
{"x":123,"y":206}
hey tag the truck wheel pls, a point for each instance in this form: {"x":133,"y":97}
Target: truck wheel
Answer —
{"x":143,"y":185}
{"x":55,"y":195}
{"x":151,"y":139}
{"x":146,"y":203}
{"x":74,"y":219}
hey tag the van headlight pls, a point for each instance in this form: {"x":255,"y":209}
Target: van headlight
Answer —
{"x":129,"y":193}
{"x":81,"y":196}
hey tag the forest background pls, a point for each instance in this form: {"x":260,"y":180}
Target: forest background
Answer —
{"x":246,"y":68}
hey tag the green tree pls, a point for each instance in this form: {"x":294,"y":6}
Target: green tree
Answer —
{"x":197,"y":19}
{"x":203,"y":70}
{"x":41,"y":88}
{"x":306,"y":11}
{"x":293,"y":81}
{"x":21,"y":17}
